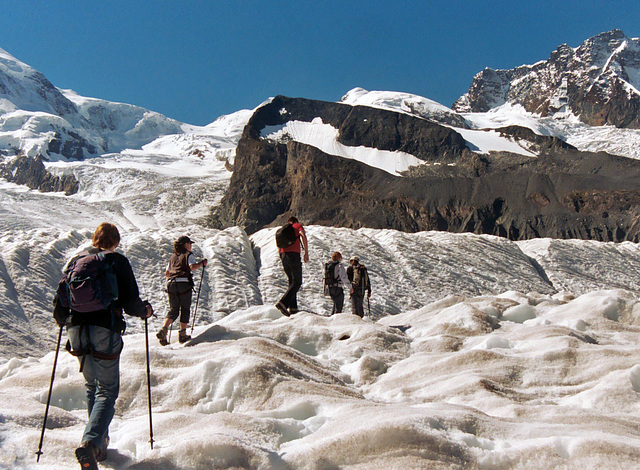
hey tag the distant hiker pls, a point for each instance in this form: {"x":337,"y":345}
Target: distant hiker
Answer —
{"x":360,"y":284}
{"x":289,"y":239}
{"x":98,"y":285}
{"x":180,"y":288}
{"x":335,"y":277}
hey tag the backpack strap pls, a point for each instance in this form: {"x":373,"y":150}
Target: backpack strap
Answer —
{"x":88,"y":351}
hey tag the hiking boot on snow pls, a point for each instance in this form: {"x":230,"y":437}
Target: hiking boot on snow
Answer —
{"x":183,"y":337}
{"x":283,"y":309}
{"x":86,"y":455}
{"x":162,"y":336}
{"x":102,"y":451}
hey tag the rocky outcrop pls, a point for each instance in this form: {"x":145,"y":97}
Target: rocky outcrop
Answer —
{"x":598,"y":81}
{"x":261,"y":185}
{"x":30,"y":171}
{"x":70,"y":145}
{"x":563,"y":193}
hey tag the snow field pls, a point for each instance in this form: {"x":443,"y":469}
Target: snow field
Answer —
{"x":422,"y":388}
{"x":325,"y":138}
{"x":488,"y":362}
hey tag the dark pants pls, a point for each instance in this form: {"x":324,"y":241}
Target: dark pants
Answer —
{"x":357,"y":305}
{"x":292,"y":264}
{"x":337,"y":295}
{"x":179,"y":301}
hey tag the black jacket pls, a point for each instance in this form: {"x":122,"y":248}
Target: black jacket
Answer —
{"x":128,"y":298}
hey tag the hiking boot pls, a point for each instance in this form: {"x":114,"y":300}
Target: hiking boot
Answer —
{"x":183,"y":337}
{"x":86,"y":455}
{"x":162,"y":336}
{"x":102,"y":451}
{"x":293,"y":311}
{"x":280,"y":306}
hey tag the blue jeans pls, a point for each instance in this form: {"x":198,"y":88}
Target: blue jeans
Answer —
{"x":102,"y":377}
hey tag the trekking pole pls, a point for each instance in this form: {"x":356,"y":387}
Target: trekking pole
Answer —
{"x":369,"y":305}
{"x":46,"y":410}
{"x":146,"y":340}
{"x":195,"y":311}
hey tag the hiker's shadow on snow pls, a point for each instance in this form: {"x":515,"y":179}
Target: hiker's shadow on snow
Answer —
{"x":117,"y":460}
{"x":164,"y":464}
{"x":213,"y":334}
{"x":274,"y":460}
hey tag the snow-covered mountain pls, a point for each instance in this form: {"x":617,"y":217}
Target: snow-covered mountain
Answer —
{"x":477,"y":351}
{"x":567,"y":127}
{"x":599,"y":82}
{"x":394,"y":164}
{"x":36,"y":118}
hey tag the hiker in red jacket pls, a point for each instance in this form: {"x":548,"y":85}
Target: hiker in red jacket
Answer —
{"x":291,"y":262}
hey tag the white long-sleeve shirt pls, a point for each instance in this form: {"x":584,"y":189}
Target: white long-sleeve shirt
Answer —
{"x":341,"y":275}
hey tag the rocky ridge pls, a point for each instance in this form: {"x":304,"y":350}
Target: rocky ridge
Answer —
{"x":599,"y":82}
{"x":561,"y":193}
{"x":31,"y":172}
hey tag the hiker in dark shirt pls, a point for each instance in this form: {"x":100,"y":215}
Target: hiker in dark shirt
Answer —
{"x":292,"y":265}
{"x":180,"y":288}
{"x":359,"y":277}
{"x":95,"y":337}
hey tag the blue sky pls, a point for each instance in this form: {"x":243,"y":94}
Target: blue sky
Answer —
{"x":197,"y":60}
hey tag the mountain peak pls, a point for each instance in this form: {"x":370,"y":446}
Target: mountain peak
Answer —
{"x":41,"y":119}
{"x":599,"y":82}
{"x":613,"y":35}
{"x":4,"y":55}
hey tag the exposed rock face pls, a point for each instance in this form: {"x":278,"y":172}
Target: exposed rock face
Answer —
{"x":598,"y":81}
{"x":30,"y":171}
{"x":563,"y":193}
{"x":70,"y":145}
{"x":261,"y":189}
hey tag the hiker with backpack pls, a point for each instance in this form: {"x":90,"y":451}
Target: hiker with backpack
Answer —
{"x":180,"y":288}
{"x":290,"y":238}
{"x":335,"y":277}
{"x":98,"y":285}
{"x":359,"y":277}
